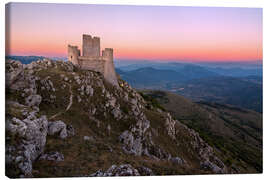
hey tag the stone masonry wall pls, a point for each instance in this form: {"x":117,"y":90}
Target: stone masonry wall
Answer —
{"x":95,"y":65}
{"x":91,"y":46}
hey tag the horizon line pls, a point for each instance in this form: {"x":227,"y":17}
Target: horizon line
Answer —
{"x":163,"y":60}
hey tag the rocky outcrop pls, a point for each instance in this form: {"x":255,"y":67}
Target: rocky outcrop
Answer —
{"x":205,"y":152}
{"x":177,"y":161}
{"x":121,"y":170}
{"x":57,"y":127}
{"x":33,"y":100}
{"x":52,"y":156}
{"x":170,"y":125}
{"x":145,"y":171}
{"x":30,"y":132}
{"x":14,"y":69}
{"x":61,"y":129}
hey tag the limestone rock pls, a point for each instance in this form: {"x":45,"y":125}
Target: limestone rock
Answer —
{"x":70,"y":130}
{"x":205,"y":152}
{"x":13,"y":70}
{"x":52,"y":156}
{"x":145,"y":171}
{"x":170,"y":125}
{"x":117,"y":114}
{"x":207,"y":165}
{"x":88,"y":138}
{"x":121,"y":170}
{"x":177,"y":160}
{"x":132,"y":145}
{"x":89,"y":90}
{"x":57,"y":127}
{"x":33,"y":100}
{"x":31,"y":133}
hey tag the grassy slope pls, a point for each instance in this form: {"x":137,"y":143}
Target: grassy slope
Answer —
{"x":86,"y":157}
{"x":236,"y":133}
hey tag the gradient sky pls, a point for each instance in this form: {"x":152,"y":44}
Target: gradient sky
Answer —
{"x":138,"y":32}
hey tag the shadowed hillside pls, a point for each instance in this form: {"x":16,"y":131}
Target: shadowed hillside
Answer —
{"x":235,"y":132}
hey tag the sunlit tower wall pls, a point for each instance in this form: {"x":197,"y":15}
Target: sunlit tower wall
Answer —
{"x":73,"y":54}
{"x":91,"y":46}
{"x":109,"y":71}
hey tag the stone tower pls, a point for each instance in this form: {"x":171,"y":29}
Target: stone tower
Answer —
{"x":109,"y":70}
{"x":73,"y":54}
{"x":91,"y":46}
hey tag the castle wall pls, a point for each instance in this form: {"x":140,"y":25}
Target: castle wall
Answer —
{"x":92,"y":64}
{"x":91,"y":46}
{"x":73,"y":54}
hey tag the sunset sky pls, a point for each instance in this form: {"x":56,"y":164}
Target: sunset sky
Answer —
{"x":138,"y":32}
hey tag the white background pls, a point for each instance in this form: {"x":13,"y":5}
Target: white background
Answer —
{"x":265,"y":4}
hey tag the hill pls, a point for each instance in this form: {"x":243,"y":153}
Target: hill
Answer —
{"x":245,"y":92}
{"x":199,"y":84}
{"x":236,"y":133}
{"x":157,"y":78}
{"x":148,"y":77}
{"x":62,"y":121}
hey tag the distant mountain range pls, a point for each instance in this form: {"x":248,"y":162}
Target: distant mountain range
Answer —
{"x":25,"y":59}
{"x":149,"y":76}
{"x":29,"y":59}
{"x":235,"y":71}
{"x":236,"y":86}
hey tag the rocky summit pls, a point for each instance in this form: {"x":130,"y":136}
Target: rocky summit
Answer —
{"x":62,"y":121}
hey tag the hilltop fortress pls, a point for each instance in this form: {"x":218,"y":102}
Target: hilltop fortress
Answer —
{"x":91,"y":59}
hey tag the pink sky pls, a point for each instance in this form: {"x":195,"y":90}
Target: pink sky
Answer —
{"x":138,"y":32}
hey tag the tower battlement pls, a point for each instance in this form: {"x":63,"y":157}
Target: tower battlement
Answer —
{"x":91,"y":59}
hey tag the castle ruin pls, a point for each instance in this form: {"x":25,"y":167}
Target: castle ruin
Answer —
{"x":91,"y":59}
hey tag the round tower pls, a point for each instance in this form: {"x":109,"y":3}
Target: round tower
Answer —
{"x":109,"y":71}
{"x":107,"y":54}
{"x":73,"y":54}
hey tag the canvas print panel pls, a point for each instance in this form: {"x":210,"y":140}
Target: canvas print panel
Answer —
{"x":114,"y":90}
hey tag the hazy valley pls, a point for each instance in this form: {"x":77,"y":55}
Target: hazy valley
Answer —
{"x":227,"y":85}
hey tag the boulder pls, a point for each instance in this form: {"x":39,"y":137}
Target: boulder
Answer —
{"x":132,"y":145}
{"x":145,"y":171}
{"x":88,"y":138}
{"x":89,"y":90}
{"x":70,"y":130}
{"x":207,"y":165}
{"x":33,"y":100}
{"x":56,"y":127}
{"x":177,"y":161}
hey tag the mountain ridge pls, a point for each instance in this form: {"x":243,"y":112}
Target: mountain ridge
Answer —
{"x":65,"y":121}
